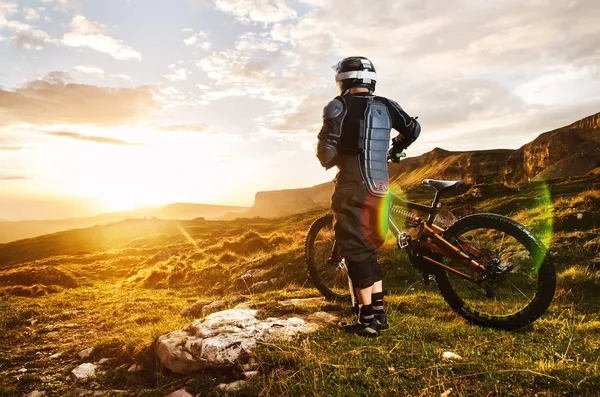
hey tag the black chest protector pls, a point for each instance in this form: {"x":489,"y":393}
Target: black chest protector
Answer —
{"x":374,"y":141}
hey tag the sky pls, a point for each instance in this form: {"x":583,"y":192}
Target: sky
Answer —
{"x":110,"y":104}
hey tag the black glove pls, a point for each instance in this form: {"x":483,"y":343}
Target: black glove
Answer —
{"x":395,"y":154}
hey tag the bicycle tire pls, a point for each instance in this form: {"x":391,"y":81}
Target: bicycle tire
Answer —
{"x":316,"y":270}
{"x":546,"y":274}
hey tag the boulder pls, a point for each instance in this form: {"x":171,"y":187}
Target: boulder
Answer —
{"x":224,"y":339}
{"x":36,"y":393}
{"x":84,"y":371}
{"x":195,"y":310}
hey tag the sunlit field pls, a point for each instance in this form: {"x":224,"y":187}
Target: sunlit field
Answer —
{"x":117,"y":288}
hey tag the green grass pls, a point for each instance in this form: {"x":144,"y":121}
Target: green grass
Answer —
{"x":133,"y":279}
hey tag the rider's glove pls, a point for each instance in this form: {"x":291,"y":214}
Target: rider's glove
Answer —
{"x":395,"y":152}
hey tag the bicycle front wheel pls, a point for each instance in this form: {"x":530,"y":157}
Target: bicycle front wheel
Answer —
{"x":516,"y":283}
{"x":329,"y":276}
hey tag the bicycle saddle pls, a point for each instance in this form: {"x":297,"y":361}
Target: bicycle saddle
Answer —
{"x":442,"y":185}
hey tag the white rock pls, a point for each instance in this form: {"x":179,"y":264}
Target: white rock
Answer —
{"x":449,"y":356}
{"x":180,"y":393}
{"x":36,"y":393}
{"x":135,"y":368}
{"x":85,"y":353}
{"x":22,"y":370}
{"x":56,"y":355}
{"x":98,"y":393}
{"x":105,"y":361}
{"x":221,"y":338}
{"x":84,"y":371}
{"x":233,"y":386}
{"x":250,"y":374}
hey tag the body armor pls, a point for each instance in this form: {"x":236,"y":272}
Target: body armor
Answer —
{"x":374,"y":141}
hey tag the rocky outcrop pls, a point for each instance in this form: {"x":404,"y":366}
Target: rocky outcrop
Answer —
{"x":225,"y":339}
{"x":283,"y":202}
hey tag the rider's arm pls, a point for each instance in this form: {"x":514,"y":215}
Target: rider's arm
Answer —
{"x":408,"y":127}
{"x":331,"y":131}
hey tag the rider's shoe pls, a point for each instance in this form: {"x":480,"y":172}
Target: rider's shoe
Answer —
{"x":382,"y":319}
{"x":368,"y":330}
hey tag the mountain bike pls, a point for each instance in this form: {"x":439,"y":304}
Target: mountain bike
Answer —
{"x":490,"y":269}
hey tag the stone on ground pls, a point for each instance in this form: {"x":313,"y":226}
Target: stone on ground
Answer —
{"x":84,"y":371}
{"x":195,"y":309}
{"x":232,"y":387}
{"x":85,"y":353}
{"x":224,"y":339}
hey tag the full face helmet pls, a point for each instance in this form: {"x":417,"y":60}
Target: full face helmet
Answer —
{"x":354,"y":72}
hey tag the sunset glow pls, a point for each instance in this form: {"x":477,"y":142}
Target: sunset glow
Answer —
{"x":114,"y":104}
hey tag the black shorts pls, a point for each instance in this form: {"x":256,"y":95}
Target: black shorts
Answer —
{"x":360,"y":225}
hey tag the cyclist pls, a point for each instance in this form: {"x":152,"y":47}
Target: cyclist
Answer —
{"x":355,"y":137}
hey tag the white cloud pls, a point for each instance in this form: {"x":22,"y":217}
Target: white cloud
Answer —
{"x":31,"y":14}
{"x":24,"y":36}
{"x":88,"y":69}
{"x":121,"y":76}
{"x":177,"y":73}
{"x":85,"y":33}
{"x":196,"y":39}
{"x":265,"y":11}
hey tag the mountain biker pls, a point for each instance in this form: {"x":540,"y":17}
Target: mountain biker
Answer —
{"x":355,"y":137}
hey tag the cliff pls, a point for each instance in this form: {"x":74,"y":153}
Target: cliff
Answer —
{"x":568,"y":151}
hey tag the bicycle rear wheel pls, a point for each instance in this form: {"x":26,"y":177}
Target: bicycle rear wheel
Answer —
{"x":517,"y":283}
{"x":330,"y":277}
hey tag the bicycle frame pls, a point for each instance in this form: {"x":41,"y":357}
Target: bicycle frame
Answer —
{"x":429,"y":239}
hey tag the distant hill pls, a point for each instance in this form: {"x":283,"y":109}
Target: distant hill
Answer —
{"x":16,"y":230}
{"x":568,"y":151}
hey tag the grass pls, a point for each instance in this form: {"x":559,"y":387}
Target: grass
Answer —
{"x":130,"y":282}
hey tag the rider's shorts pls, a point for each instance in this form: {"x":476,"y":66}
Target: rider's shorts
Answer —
{"x":360,"y":224}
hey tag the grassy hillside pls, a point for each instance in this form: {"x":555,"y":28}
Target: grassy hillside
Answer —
{"x":118,"y":287}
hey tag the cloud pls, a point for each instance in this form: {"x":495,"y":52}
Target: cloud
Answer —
{"x":14,"y":178}
{"x":96,"y":139}
{"x":182,"y":127}
{"x":24,"y":36}
{"x":10,"y":148}
{"x":85,"y":33}
{"x":53,"y":100}
{"x":121,"y":76}
{"x":31,"y":14}
{"x":177,"y":73}
{"x":264,"y":11}
{"x":88,"y":69}
{"x":196,"y":39}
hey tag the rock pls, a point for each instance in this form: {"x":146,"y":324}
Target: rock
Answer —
{"x":82,"y":392}
{"x":135,"y":368}
{"x":449,"y":356}
{"x":213,"y":307}
{"x":56,"y":355}
{"x":180,"y":393}
{"x":250,"y":374}
{"x":305,"y":301}
{"x":36,"y":393}
{"x":222,"y":338}
{"x":22,"y":370}
{"x":106,"y":361}
{"x":232,"y":387}
{"x":98,"y":393}
{"x":260,"y":286}
{"x":195,"y":310}
{"x":70,"y":313}
{"x":84,"y":371}
{"x":85,"y":353}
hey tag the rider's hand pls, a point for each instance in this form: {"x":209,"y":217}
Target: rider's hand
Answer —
{"x":395,"y":154}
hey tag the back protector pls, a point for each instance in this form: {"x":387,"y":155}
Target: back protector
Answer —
{"x":375,"y":141}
